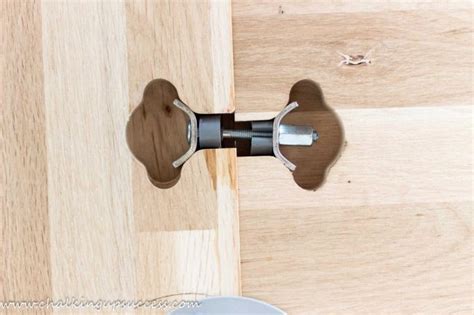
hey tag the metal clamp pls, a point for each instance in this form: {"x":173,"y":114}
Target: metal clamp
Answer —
{"x":206,"y":132}
{"x":192,"y":133}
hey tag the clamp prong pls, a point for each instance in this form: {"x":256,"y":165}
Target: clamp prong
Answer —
{"x":192,"y":133}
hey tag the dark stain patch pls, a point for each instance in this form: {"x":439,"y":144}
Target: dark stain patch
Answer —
{"x":143,"y":111}
{"x":168,"y":110}
{"x":280,"y":10}
{"x":348,"y":181}
{"x":210,"y":156}
{"x":456,"y":31}
{"x":420,"y":215}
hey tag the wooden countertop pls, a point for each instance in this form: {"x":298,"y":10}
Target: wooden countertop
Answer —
{"x":389,"y":232}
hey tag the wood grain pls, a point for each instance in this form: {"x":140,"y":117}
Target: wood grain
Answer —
{"x":25,"y":266}
{"x":402,"y":160}
{"x":426,"y":53}
{"x":272,"y":8}
{"x":391,"y":229}
{"x":89,"y":165}
{"x":189,"y":44}
{"x":402,"y":258}
{"x":194,"y":53}
{"x":79,"y":217}
{"x":389,"y":232}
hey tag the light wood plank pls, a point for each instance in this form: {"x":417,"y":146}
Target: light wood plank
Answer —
{"x":189,"y":44}
{"x":273,"y":8}
{"x":25,"y":266}
{"x":191,"y":271}
{"x":89,"y":165}
{"x":390,"y":230}
{"x":399,"y":259}
{"x":419,"y":57}
{"x":385,"y":161}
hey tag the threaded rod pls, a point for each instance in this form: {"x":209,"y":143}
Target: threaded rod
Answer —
{"x":245,"y":134}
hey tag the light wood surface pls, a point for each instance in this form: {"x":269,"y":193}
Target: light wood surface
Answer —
{"x":89,"y":167}
{"x":389,"y":232}
{"x":24,"y":218}
{"x":421,"y":52}
{"x":79,"y":217}
{"x":189,"y":44}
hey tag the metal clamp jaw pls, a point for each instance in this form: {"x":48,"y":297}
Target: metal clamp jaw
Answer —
{"x":265,"y":136}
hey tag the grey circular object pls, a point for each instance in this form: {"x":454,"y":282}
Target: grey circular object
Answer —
{"x":227,"y":305}
{"x":209,"y":132}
